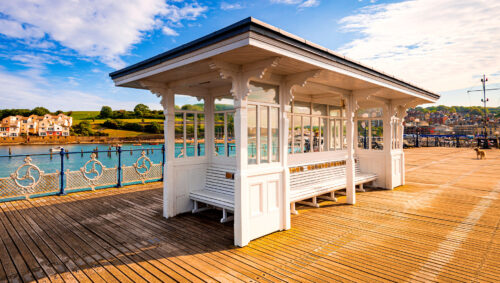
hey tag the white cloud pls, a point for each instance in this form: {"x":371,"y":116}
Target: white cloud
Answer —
{"x":309,"y":3}
{"x":105,"y":29}
{"x":300,"y":3}
{"x":438,"y":44}
{"x":168,"y":31}
{"x":227,"y":6}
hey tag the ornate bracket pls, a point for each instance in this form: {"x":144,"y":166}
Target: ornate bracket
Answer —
{"x":364,"y":95}
{"x":401,"y":105}
{"x":18,"y":177}
{"x":299,"y":79}
{"x":159,"y":89}
{"x":242,"y":74}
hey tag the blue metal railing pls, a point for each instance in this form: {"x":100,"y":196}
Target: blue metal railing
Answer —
{"x":27,"y":180}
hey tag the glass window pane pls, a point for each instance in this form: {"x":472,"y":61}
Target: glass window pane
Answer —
{"x":377,"y":134}
{"x":219,"y":134}
{"x":179,"y":135}
{"x":252,"y":134}
{"x":316,"y":134}
{"x":338,"y":144}
{"x":224,"y":103}
{"x":370,"y":112}
{"x":201,"y":134}
{"x":275,"y":153}
{"x":344,"y":134}
{"x":300,"y":107}
{"x":231,"y":151}
{"x":307,"y":134}
{"x":332,"y":139}
{"x":319,"y":109}
{"x":363,"y":134}
{"x":187,"y":102}
{"x":322,"y":127}
{"x":297,"y":134}
{"x":334,"y":111}
{"x":264,"y":146}
{"x":290,"y":133}
{"x":189,"y":134}
{"x":260,"y":92}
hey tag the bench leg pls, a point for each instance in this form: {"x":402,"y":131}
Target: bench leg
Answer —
{"x":313,"y":203}
{"x":292,"y":209}
{"x":225,"y":218}
{"x":197,"y":208}
{"x":361,"y":188}
{"x":330,"y":196}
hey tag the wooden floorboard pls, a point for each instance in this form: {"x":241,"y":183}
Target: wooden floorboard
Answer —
{"x":441,"y":226}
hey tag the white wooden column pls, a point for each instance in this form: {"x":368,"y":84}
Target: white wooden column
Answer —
{"x":241,"y":196}
{"x":400,"y":133}
{"x":286,"y":109}
{"x":350,"y":171}
{"x":388,"y":150}
{"x":209,"y":128}
{"x":169,"y":133}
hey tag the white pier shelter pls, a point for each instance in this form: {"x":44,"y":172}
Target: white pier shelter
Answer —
{"x":281,"y":120}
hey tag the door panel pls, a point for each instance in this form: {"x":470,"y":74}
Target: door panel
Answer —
{"x":265,"y":202}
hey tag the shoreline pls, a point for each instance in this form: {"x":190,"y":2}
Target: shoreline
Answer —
{"x":50,"y":140}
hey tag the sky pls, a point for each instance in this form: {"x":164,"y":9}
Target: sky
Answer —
{"x":58,"y":53}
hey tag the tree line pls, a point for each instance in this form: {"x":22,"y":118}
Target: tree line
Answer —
{"x":462,"y":110}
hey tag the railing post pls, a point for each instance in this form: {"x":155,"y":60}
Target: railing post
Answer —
{"x":163,"y":162}
{"x":119,"y":173}
{"x":61,"y":154}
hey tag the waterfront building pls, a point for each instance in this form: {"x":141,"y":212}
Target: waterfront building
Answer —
{"x":47,"y":125}
{"x":307,"y":122}
{"x":54,"y":125}
{"x":10,"y":126}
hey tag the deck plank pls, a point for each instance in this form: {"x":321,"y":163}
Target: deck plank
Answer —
{"x":441,"y":226}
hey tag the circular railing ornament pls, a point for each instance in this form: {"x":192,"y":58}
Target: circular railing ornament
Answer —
{"x":94,"y":174}
{"x":28,"y":176}
{"x":140,"y":165}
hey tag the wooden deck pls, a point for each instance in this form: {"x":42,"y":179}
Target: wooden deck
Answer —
{"x":442,"y":226}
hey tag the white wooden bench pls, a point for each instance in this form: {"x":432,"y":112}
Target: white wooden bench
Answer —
{"x":321,"y":180}
{"x":218,"y":192}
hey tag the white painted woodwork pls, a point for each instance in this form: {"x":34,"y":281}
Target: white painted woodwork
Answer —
{"x":263,"y":196}
{"x":350,"y":172}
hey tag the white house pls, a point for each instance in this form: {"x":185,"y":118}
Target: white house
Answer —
{"x":307,"y":122}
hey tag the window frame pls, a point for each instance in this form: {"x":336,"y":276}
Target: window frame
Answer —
{"x":269,"y":106}
{"x":226,"y":149}
{"x":369,"y":120}
{"x":184,"y":131}
{"x":325,"y":134}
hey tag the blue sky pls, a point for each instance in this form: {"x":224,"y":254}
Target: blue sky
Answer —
{"x":58,"y":53}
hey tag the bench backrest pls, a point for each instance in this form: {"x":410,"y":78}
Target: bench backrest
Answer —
{"x":220,"y":180}
{"x":319,"y":173}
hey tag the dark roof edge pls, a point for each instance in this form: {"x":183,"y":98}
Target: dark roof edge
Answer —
{"x":250,"y":24}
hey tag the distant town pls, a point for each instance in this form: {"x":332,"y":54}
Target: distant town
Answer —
{"x":455,"y":120}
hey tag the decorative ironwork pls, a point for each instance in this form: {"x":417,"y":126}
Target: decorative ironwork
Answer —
{"x":32,"y":180}
{"x":140,"y":164}
{"x":93,"y":175}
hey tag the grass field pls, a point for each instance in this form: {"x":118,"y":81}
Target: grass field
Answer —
{"x":123,"y":133}
{"x":79,"y":116}
{"x":82,"y":115}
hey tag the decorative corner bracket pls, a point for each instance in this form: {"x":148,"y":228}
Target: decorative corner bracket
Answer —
{"x":242,"y":74}
{"x":300,"y":80}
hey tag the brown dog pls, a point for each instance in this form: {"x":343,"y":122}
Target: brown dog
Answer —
{"x":480,"y":154}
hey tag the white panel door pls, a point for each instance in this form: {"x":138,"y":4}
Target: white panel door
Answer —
{"x":265,"y":202}
{"x":396,"y":171}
